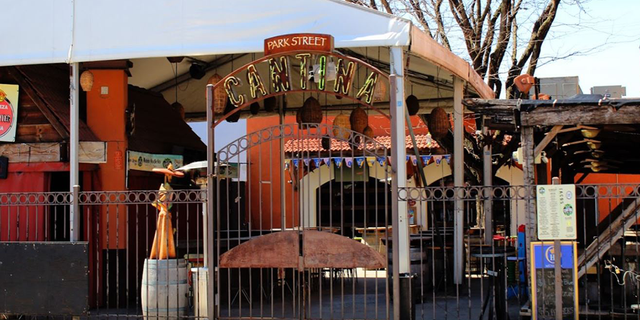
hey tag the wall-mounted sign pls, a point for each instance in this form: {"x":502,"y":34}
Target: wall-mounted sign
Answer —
{"x":543,"y":279}
{"x":228,"y":171}
{"x":556,"y":206}
{"x":143,"y":161}
{"x":298,"y":42}
{"x":8,"y":112}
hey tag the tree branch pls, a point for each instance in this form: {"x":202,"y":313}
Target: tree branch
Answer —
{"x":538,"y":34}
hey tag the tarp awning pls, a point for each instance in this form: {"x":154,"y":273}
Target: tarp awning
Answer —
{"x":57,"y":31}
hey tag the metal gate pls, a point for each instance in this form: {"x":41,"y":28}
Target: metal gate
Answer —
{"x":306,"y":235}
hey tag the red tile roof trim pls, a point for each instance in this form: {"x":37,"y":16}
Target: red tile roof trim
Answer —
{"x":315,"y":144}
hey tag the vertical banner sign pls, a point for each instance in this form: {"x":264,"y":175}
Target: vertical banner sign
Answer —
{"x":556,"y":206}
{"x":543,"y":277}
{"x":8,"y":112}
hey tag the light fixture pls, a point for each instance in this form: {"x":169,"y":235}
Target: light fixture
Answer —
{"x":590,"y":133}
{"x":177,"y":106}
{"x":175,"y":59}
{"x":197,"y":71}
{"x":594,"y":145}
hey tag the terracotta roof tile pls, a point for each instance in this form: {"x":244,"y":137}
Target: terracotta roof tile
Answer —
{"x":315,"y":144}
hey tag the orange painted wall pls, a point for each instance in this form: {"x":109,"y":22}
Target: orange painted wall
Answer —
{"x":605,"y":205}
{"x":106,"y":118}
{"x":265,"y":210}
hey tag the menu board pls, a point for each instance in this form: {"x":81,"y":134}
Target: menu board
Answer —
{"x":556,"y":206}
{"x":544,"y":294}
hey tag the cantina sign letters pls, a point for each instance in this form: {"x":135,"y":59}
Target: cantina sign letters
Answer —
{"x":301,"y":63}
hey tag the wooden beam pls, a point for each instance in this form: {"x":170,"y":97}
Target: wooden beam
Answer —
{"x":32,"y":152}
{"x":25,"y":85}
{"x":545,"y":142}
{"x":109,"y":65}
{"x":581,"y":114}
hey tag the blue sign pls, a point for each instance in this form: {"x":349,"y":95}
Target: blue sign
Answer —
{"x":543,"y":278}
{"x":545,"y":255}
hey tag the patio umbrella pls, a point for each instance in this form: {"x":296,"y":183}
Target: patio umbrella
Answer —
{"x":163,"y":243}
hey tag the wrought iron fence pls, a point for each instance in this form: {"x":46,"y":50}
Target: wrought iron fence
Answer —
{"x":497,"y":266}
{"x":119,"y":228}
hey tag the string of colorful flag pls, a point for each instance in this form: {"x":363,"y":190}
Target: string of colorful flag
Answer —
{"x":360,"y":161}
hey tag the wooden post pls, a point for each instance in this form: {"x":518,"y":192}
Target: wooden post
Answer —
{"x":487,"y":177}
{"x":528,"y":171}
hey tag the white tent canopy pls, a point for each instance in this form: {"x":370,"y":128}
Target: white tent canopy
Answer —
{"x":56,"y":31}
{"x":67,"y":31}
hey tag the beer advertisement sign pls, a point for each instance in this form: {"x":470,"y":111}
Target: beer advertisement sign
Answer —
{"x":8,"y":112}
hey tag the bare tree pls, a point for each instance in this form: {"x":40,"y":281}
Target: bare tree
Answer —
{"x":489,"y":29}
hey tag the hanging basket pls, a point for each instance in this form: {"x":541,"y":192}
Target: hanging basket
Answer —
{"x":234,"y":117}
{"x":342,"y":126}
{"x":326,"y":143}
{"x":177,"y":106}
{"x":359,"y":120}
{"x":439,"y":124}
{"x":368,"y":132}
{"x":254,"y":108}
{"x":413,"y":105}
{"x":311,"y":111}
{"x":86,"y":80}
{"x":219,"y":95}
{"x":270,"y":104}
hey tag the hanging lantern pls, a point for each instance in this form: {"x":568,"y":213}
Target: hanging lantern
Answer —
{"x":359,"y":120}
{"x":368,"y":132}
{"x":299,"y":117}
{"x":342,"y":126}
{"x":270,"y":104}
{"x":86,"y":80}
{"x":326,"y":143}
{"x":254,"y":108}
{"x":439,"y":124}
{"x":311,"y":111}
{"x":219,"y":95}
{"x":380,"y":92}
{"x":177,"y":106}
{"x":234,"y":117}
{"x":413,"y":105}
{"x":118,"y":160}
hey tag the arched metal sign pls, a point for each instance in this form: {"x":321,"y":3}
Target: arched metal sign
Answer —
{"x":301,"y":63}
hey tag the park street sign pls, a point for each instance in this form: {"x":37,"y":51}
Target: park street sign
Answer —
{"x":556,"y":208}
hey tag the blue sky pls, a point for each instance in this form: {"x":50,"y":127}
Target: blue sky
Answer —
{"x":608,"y":34}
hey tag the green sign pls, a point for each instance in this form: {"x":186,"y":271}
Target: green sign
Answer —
{"x":143,"y":161}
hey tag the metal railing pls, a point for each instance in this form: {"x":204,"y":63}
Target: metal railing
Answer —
{"x":119,"y":228}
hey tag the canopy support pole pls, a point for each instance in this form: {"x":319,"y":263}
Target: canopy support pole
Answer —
{"x":400,"y":223}
{"x":209,"y":222}
{"x":74,"y":143}
{"x":458,"y":180}
{"x":487,"y":177}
